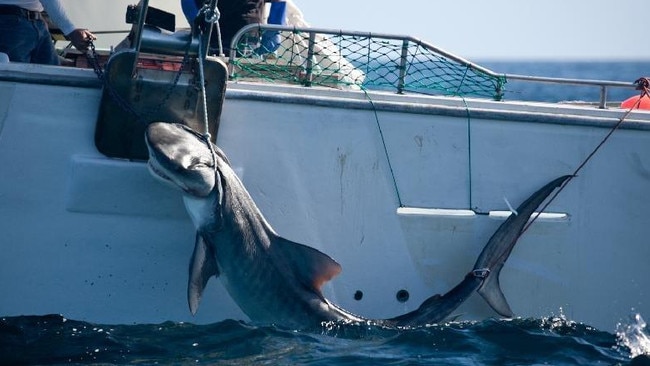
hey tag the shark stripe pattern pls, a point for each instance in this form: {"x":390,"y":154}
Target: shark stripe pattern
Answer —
{"x":278,"y":281}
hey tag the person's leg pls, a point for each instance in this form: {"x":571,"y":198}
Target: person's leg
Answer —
{"x":18,"y":37}
{"x":44,"y":53}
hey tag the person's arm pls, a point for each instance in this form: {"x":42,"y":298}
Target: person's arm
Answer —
{"x":190,"y":9}
{"x":78,"y":36}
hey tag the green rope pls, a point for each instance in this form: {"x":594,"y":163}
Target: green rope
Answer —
{"x":460,"y":85}
{"x":383,"y":142}
{"x":469,"y":153}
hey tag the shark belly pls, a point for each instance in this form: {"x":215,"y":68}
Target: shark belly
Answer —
{"x":201,"y":210}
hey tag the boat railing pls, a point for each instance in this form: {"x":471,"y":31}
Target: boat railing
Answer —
{"x":603,"y":85}
{"x":363,"y":60}
{"x":350,"y":59}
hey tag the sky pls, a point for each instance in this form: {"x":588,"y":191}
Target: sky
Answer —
{"x":472,"y":29}
{"x":498,"y":29}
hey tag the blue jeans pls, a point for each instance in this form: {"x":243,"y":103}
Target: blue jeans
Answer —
{"x":25,"y":40}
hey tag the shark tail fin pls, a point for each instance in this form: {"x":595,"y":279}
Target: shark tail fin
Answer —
{"x":498,"y":249}
{"x":484,"y":277}
{"x":491,"y":292}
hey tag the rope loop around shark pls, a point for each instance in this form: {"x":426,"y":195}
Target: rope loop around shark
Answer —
{"x":275,"y":280}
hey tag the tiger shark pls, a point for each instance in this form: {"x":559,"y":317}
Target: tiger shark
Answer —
{"x":275,"y":280}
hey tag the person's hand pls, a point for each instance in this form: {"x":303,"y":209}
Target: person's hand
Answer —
{"x":80,"y":38}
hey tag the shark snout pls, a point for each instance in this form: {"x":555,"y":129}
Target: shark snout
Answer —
{"x":179,"y":157}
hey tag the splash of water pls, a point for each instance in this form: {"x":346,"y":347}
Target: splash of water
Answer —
{"x":634,"y":336}
{"x":557,"y":322}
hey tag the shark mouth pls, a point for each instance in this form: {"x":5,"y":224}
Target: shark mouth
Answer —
{"x":153,"y":168}
{"x":159,"y":173}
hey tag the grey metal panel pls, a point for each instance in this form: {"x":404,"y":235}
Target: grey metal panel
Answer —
{"x":130,"y":104}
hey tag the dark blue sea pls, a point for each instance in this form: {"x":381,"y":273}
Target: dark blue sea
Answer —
{"x":553,"y":340}
{"x":624,"y":71}
{"x":55,"y":340}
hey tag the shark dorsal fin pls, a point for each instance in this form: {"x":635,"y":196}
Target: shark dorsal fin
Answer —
{"x":203,"y":265}
{"x":311,"y":266}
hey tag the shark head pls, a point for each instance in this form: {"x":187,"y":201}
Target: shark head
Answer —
{"x":184,"y":159}
{"x":180,"y":157}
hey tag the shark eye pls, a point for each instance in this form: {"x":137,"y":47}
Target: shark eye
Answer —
{"x":198,"y":163}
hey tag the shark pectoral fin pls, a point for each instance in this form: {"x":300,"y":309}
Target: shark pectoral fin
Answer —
{"x":312,"y":267}
{"x":203,"y":265}
{"x":490,"y":290}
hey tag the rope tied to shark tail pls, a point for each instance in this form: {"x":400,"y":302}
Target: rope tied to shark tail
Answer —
{"x":480,"y":273}
{"x":642,"y":84}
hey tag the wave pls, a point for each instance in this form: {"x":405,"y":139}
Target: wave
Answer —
{"x":54,"y":340}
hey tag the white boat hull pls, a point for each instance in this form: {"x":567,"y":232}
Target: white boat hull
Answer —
{"x":398,"y":191}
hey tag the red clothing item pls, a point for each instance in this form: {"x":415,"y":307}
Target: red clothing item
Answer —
{"x":632,"y":101}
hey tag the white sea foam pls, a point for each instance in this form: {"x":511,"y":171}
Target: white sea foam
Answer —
{"x":634,"y":336}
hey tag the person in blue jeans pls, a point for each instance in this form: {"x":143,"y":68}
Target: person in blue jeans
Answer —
{"x":24,"y":35}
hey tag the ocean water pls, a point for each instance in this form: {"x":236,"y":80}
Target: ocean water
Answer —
{"x":553,"y":340}
{"x":624,"y":71}
{"x":54,"y":340}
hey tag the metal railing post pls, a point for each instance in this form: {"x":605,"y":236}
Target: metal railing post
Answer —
{"x":401,"y":81}
{"x":142,"y":7}
{"x":309,"y":67}
{"x":603,"y":97}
